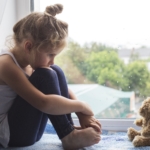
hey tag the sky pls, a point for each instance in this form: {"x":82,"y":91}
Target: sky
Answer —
{"x":117,"y":23}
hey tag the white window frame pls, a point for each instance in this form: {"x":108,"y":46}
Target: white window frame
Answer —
{"x":23,"y":7}
{"x":114,"y":124}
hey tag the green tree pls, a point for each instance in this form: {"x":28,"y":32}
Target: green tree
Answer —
{"x":96,"y":63}
{"x":106,"y":68}
{"x":78,"y":55}
{"x":72,"y":72}
{"x":137,"y":75}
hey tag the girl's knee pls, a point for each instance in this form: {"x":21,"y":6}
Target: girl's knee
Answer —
{"x":45,"y":73}
{"x":57,"y":69}
{"x":46,"y":80}
{"x":43,"y":76}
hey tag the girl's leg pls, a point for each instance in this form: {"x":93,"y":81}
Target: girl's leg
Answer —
{"x":77,"y":138}
{"x":63,"y":86}
{"x":60,"y":122}
{"x":26,"y":123}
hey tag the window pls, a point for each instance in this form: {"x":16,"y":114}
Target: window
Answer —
{"x":107,"y":60}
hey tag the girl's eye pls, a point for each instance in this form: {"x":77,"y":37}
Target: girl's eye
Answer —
{"x":51,"y":55}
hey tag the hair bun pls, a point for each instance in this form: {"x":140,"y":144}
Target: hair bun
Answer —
{"x":54,"y":9}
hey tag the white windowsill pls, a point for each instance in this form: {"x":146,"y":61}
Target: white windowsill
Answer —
{"x":114,"y":124}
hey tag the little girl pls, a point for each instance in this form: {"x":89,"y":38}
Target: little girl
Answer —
{"x":33,"y":89}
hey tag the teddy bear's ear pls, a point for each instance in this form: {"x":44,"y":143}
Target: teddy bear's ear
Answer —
{"x":144,"y":110}
{"x":147,"y":99}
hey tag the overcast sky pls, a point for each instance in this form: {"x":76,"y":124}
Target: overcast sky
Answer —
{"x":112,"y":22}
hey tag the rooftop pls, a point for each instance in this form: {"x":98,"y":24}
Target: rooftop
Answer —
{"x":142,"y":52}
{"x":97,"y":96}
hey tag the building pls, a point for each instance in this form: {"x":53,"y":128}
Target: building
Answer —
{"x":125,"y":54}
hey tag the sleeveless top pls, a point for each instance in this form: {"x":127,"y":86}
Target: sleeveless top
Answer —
{"x":7,"y":96}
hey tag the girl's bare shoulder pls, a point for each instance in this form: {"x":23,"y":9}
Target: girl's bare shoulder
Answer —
{"x":9,"y":71}
{"x":5,"y":59}
{"x":5,"y":63}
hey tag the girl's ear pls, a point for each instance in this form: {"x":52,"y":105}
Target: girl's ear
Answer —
{"x":28,"y":46}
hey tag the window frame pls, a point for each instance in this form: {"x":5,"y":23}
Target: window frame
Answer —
{"x":114,"y":124}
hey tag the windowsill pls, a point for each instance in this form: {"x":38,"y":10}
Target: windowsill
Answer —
{"x":115,"y":124}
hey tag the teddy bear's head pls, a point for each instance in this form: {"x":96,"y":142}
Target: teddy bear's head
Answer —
{"x":144,"y":110}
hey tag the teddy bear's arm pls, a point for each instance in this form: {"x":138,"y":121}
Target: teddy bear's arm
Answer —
{"x":132,"y":133}
{"x":139,"y":122}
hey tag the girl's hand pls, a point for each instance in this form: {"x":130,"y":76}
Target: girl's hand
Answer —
{"x":86,"y":118}
{"x":86,"y":109}
{"x":89,"y":121}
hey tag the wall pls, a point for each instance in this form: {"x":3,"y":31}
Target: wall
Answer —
{"x":14,"y":10}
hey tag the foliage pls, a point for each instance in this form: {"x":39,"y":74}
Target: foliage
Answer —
{"x":105,"y":68}
{"x":72,"y":72}
{"x":137,"y":75}
{"x":97,"y":63}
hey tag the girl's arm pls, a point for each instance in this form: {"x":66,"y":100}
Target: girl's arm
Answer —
{"x":86,"y":121}
{"x":13,"y":76}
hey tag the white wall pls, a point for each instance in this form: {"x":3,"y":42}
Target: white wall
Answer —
{"x":8,"y":20}
{"x":14,"y":10}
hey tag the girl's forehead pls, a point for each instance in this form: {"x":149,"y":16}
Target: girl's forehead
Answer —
{"x":53,"y":48}
{"x":49,"y":50}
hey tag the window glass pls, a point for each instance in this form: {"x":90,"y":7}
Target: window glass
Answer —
{"x":107,"y":60}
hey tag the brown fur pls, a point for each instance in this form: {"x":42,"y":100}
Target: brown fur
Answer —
{"x":142,"y":137}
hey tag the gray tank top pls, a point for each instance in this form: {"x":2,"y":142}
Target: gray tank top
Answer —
{"x":7,"y":96}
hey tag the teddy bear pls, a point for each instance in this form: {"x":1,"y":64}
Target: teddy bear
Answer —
{"x":141,"y":137}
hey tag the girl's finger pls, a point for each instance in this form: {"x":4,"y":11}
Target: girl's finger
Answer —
{"x":95,"y":126}
{"x":98,"y":123}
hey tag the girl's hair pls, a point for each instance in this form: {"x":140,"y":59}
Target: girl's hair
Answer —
{"x":44,"y":29}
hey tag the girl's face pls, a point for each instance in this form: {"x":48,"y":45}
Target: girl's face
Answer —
{"x":45,"y":57}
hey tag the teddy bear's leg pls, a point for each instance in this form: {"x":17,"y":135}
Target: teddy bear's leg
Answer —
{"x":146,"y":131}
{"x":132,"y":133}
{"x":141,"y":141}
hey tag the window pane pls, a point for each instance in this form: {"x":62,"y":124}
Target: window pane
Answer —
{"x":107,"y":60}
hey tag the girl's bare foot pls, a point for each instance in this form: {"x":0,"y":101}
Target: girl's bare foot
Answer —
{"x":80,"y":138}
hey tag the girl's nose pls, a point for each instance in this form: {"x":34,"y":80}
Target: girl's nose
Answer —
{"x":51,"y":62}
